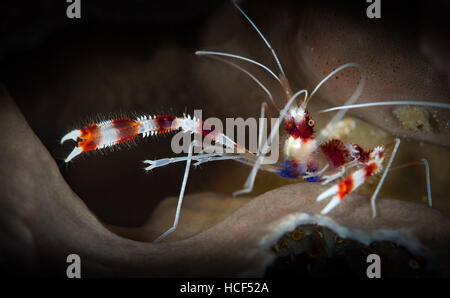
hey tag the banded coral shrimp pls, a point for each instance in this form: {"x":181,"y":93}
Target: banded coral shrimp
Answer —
{"x":299,"y":125}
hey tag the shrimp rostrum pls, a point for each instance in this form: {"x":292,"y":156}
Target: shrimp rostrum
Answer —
{"x":312,"y":156}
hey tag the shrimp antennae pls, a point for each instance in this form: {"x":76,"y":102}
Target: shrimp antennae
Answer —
{"x":325,"y":132}
{"x":266,"y":90}
{"x":351,"y":64}
{"x":276,"y":126}
{"x":262,"y":37}
{"x":388,"y":103}
{"x":213,"y":53}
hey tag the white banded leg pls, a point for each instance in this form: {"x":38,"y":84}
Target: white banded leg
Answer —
{"x":319,"y":173}
{"x":332,"y":177}
{"x":250,"y":182}
{"x":180,"y":197}
{"x":157,"y":163}
{"x":427,"y":176}
{"x":380,"y":183}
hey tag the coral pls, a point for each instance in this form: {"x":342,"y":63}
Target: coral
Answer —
{"x":413,"y":118}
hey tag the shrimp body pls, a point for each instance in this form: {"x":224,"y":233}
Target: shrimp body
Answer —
{"x":308,"y":159}
{"x":353,"y":181}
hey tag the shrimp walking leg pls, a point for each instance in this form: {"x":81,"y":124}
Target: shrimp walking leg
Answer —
{"x":248,"y":187}
{"x":332,"y":177}
{"x":250,"y":182}
{"x":426,"y":164}
{"x":157,"y":163}
{"x":380,"y":183}
{"x":200,"y":159}
{"x":180,"y":197}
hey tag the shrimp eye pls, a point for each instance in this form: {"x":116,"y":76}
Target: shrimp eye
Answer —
{"x":311,"y":122}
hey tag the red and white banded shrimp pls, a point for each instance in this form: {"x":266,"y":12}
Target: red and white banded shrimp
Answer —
{"x":312,"y":156}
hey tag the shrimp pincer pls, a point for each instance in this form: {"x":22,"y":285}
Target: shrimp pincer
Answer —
{"x":106,"y":134}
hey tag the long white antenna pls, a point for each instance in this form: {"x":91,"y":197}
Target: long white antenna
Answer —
{"x":248,"y":186}
{"x":388,"y":103}
{"x":250,"y":75}
{"x":262,"y":36}
{"x":325,"y":132}
{"x":213,"y":53}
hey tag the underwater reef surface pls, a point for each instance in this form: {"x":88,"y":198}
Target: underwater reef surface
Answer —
{"x":44,"y":220}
